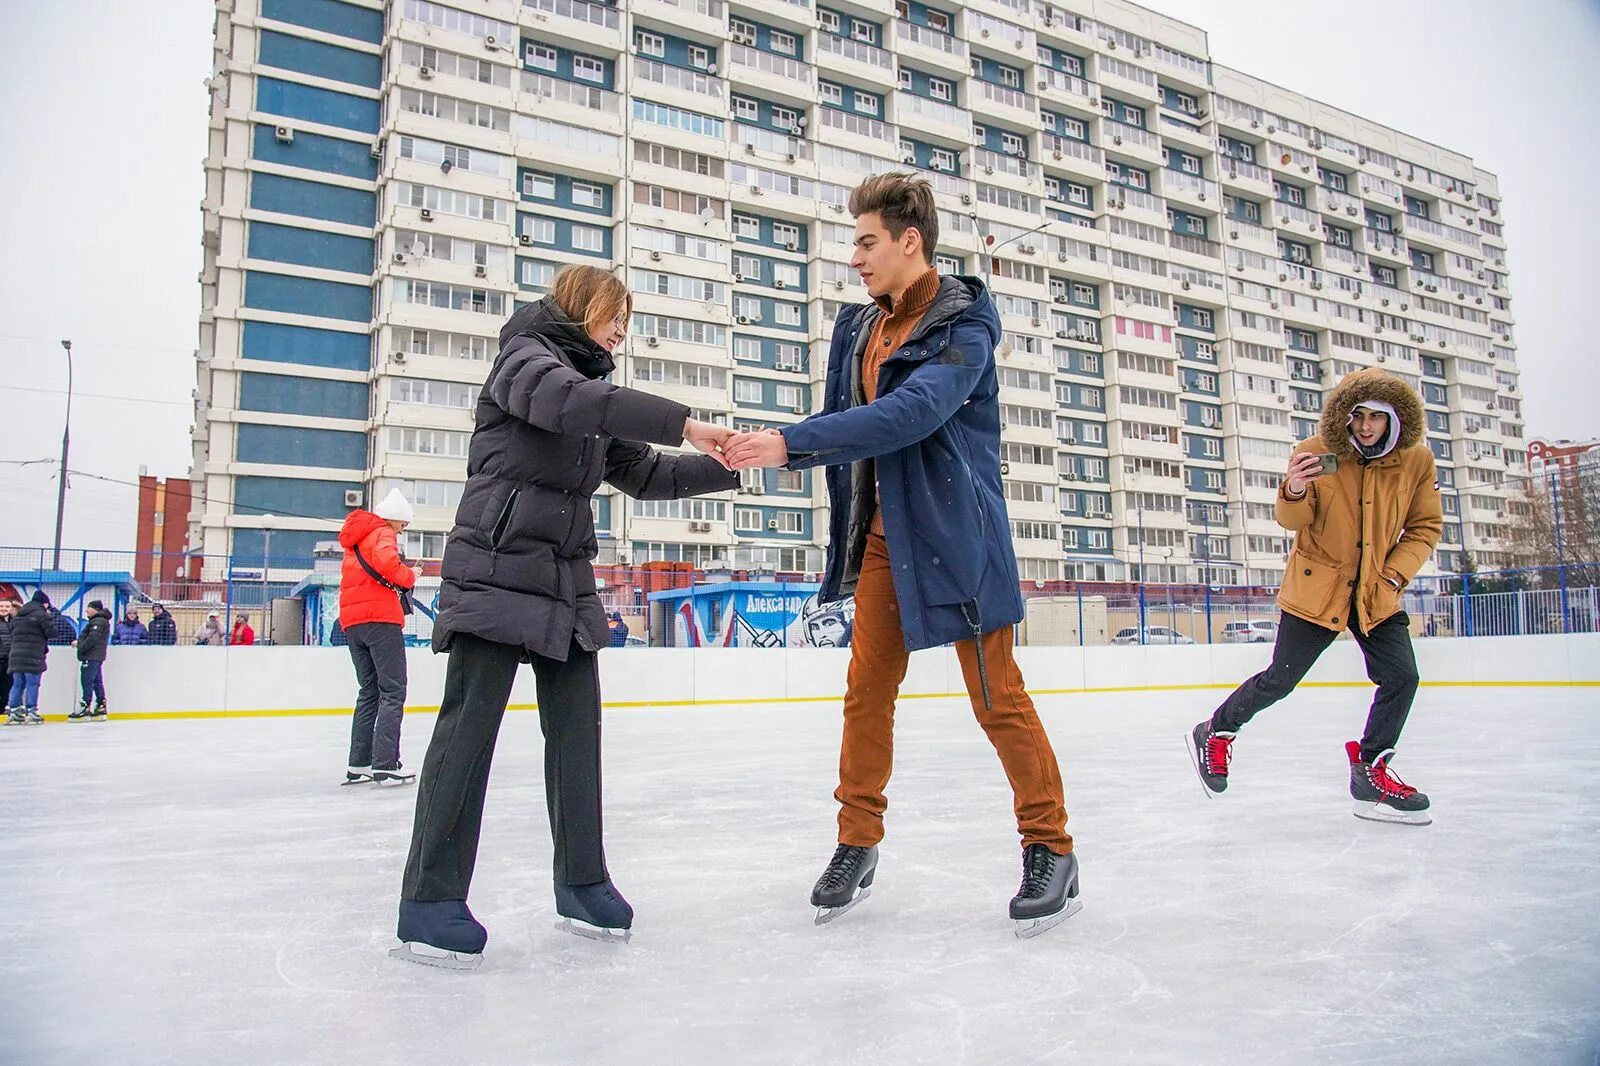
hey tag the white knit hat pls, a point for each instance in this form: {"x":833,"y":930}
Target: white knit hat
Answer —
{"x":394,"y":507}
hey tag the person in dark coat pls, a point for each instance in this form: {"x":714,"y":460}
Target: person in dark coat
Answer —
{"x":619,"y":631}
{"x":62,"y":632}
{"x":8,"y":611}
{"x":131,"y":630}
{"x":910,"y":436}
{"x":92,"y":644}
{"x":163,"y":630}
{"x":518,"y":586}
{"x":31,"y":630}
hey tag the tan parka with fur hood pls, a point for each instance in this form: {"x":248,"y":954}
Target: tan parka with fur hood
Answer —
{"x":1365,"y":530}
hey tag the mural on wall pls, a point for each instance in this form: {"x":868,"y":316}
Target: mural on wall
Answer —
{"x":761,"y":618}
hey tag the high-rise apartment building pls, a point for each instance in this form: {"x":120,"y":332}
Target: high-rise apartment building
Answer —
{"x":1185,"y":259}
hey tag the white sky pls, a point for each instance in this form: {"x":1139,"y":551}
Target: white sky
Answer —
{"x":103,"y":136}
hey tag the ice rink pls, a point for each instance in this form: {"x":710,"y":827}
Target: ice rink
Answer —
{"x":202,"y":891}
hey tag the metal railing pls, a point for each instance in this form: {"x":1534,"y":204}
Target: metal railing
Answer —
{"x":596,"y":14}
{"x":300,"y":596}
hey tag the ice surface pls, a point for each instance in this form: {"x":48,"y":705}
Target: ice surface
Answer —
{"x":204,"y":891}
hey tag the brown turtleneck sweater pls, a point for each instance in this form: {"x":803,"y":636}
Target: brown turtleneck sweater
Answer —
{"x":891,"y":331}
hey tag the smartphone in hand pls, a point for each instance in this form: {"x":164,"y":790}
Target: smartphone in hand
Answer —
{"x":1330,"y":462}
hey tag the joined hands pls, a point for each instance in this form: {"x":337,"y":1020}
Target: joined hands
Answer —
{"x":737,"y":451}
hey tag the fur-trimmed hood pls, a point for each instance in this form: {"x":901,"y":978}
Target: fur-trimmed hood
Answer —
{"x":1369,"y":384}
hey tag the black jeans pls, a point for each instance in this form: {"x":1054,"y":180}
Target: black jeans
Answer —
{"x":379,"y":651}
{"x":1390,"y":664}
{"x":91,"y":676}
{"x":455,"y":774}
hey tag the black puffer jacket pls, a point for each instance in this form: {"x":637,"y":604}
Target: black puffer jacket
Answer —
{"x":94,"y":638}
{"x":30,"y":636}
{"x":5,"y":649}
{"x":517,"y":565}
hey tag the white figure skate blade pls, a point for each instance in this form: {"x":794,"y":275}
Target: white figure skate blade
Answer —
{"x":428,"y":955}
{"x":1194,"y":757}
{"x":1379,"y":812}
{"x":394,"y":782}
{"x":356,"y":781}
{"x":828,"y":914}
{"x":578,"y":927}
{"x":1032,"y":927}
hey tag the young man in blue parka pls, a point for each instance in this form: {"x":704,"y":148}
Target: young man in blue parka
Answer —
{"x":910,"y":436}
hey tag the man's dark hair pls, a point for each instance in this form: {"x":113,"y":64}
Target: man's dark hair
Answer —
{"x":902,"y":201}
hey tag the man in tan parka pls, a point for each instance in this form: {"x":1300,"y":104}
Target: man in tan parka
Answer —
{"x":1361,"y":534}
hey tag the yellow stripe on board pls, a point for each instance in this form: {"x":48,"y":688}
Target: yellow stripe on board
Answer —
{"x":312,"y":712}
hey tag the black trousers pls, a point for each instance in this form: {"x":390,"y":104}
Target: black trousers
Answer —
{"x":1391,"y":665}
{"x":455,"y":774}
{"x":378,"y":650}
{"x":91,"y":678}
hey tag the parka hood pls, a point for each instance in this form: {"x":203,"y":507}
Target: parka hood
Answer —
{"x":1364,"y":385}
{"x":546,"y":321}
{"x":358,"y":525}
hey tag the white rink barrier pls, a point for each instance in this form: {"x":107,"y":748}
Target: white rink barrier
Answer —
{"x":220,"y":682}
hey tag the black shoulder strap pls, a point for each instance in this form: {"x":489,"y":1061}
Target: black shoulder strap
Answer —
{"x":379,"y":578}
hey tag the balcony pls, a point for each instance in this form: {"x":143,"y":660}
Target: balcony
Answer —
{"x":774,"y":75}
{"x":1175,"y":183}
{"x":1133,"y":141}
{"x":1337,"y":203}
{"x":992,"y":162}
{"x":1286,"y":214}
{"x":1183,"y":242}
{"x":1000,"y":34}
{"x":1415,"y":224}
{"x":704,"y":17}
{"x":1056,"y":84}
{"x":856,"y":60}
{"x":595,"y":24}
{"x":693,"y":82}
{"x":1082,"y":160}
{"x":1126,"y":76}
{"x":1004,"y":103}
{"x":931,"y":48}
{"x":934,"y":117}
{"x":1125,"y":198}
{"x":872,"y":129}
{"x":1335,"y":257}
{"x":543,"y":87}
{"x":1182,"y":131}
{"x":1388,"y":245}
{"x":785,"y":146}
{"x":1247,"y":176}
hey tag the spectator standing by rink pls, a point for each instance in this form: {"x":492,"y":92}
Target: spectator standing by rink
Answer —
{"x":211,"y":633}
{"x":62,"y":631}
{"x":31,"y":630}
{"x":92,"y":644}
{"x":163,"y":630}
{"x":130,"y":630}
{"x":374,"y":599}
{"x":242,"y":635}
{"x":619,"y":630}
{"x":8,"y":610}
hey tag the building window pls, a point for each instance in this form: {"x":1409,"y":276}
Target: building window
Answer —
{"x":741,"y":31}
{"x":588,"y":239}
{"x":745,"y":109}
{"x":940,"y":89}
{"x":905,"y":79}
{"x":746,"y":391}
{"x":585,"y":194}
{"x":943,"y":159}
{"x":699,"y":58}
{"x":1011,"y":144}
{"x":785,"y":233}
{"x":785,"y":118}
{"x":938,"y":21}
{"x":747,"y":226}
{"x":588,"y":69}
{"x":747,"y":519}
{"x":541,"y":58}
{"x":1011,"y":78}
{"x":539,"y":186}
{"x":786,"y":314}
{"x":539,"y":230}
{"x":866,"y":102}
{"x":783,"y":43}
{"x":864,"y":31}
{"x":787,"y":396}
{"x":831,"y":94}
{"x":829,"y":21}
{"x":649,"y":44}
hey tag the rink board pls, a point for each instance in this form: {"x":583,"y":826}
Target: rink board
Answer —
{"x":175,"y":682}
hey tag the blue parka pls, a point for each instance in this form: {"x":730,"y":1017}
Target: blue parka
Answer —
{"x":931,"y":441}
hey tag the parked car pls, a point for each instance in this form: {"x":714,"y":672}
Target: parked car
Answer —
{"x":1152,"y":635}
{"x":1259,"y":632}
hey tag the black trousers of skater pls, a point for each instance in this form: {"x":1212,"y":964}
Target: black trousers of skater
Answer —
{"x":379,"y":651}
{"x":1391,"y":666}
{"x":455,"y":775}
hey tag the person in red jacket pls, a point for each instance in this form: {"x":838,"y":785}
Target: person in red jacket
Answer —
{"x":242,"y":633}
{"x":372,"y":581}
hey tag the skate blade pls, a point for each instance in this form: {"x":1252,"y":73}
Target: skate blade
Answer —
{"x":828,"y":914}
{"x":393,"y":782}
{"x":1026,"y":928}
{"x":357,"y":781}
{"x":578,"y":927}
{"x":1194,"y":758}
{"x":428,"y":955}
{"x":1377,"y":812}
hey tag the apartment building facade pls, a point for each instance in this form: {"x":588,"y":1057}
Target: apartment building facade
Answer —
{"x":1186,"y":259}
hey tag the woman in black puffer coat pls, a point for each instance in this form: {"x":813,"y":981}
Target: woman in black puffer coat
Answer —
{"x":518,"y":586}
{"x":30,"y":645}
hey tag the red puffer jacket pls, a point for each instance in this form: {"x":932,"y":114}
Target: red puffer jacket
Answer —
{"x":362,"y":599}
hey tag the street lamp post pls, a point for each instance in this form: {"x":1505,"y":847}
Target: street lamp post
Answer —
{"x":267,"y":522}
{"x":985,"y":251}
{"x":61,"y":486}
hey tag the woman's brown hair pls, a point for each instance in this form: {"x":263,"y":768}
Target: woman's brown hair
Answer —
{"x":590,"y":296}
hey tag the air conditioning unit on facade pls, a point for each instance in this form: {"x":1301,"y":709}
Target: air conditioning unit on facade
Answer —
{"x":284,"y":134}
{"x":772,"y":523}
{"x":700,"y":527}
{"x":400,"y":258}
{"x":354,"y":497}
{"x":480,"y":271}
{"x":425,"y":73}
{"x":427,"y":215}
{"x":398,"y":358}
{"x":653,"y":342}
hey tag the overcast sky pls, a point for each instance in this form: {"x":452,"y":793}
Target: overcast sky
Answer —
{"x":102,"y":139}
